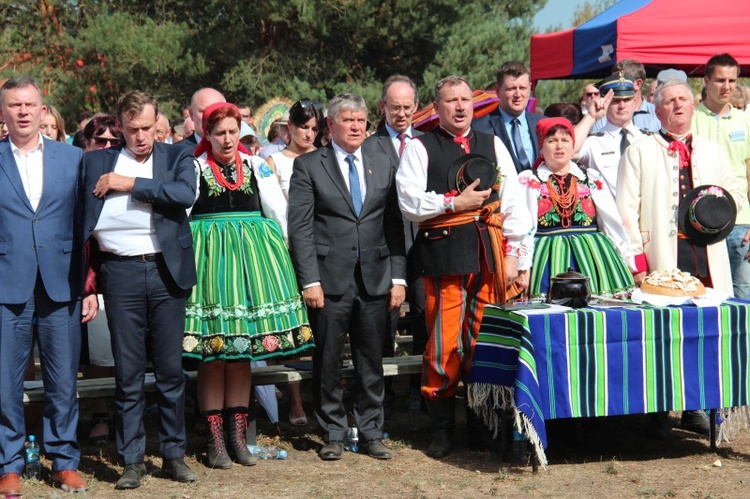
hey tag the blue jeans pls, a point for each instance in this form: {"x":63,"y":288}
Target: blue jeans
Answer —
{"x":739,"y":265}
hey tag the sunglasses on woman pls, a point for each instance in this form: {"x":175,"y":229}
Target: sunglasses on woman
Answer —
{"x":103,"y":141}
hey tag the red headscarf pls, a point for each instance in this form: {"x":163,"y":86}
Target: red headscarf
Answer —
{"x":205,"y":146}
{"x":205,"y":143}
{"x":543,"y":128}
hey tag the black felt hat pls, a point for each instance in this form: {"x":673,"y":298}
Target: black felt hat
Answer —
{"x":707,"y":214}
{"x":469,"y":167}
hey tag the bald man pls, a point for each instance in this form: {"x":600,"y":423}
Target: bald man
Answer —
{"x":200,"y":101}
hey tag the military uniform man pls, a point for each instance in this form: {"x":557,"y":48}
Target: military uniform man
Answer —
{"x":602,"y":150}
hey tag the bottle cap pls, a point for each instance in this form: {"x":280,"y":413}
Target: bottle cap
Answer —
{"x":32,"y":438}
{"x":282,"y":454}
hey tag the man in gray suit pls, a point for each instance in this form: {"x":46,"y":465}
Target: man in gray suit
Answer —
{"x":399,"y":101}
{"x":347,"y":241}
{"x":511,"y":122}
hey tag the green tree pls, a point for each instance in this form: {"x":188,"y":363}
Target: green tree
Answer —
{"x":499,"y":32}
{"x":88,"y":52}
{"x":86,"y":55}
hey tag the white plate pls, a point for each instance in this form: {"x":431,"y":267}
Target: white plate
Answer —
{"x":712,"y":298}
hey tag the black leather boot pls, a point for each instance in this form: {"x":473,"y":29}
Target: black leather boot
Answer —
{"x":236,"y":428}
{"x":216,"y":453}
{"x":443,"y":421}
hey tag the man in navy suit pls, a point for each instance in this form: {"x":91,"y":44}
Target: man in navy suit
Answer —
{"x":347,"y":240}
{"x":40,"y":279}
{"x":136,"y":224}
{"x":511,"y":122}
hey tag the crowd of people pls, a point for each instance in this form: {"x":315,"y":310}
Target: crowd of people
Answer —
{"x":204,"y":248}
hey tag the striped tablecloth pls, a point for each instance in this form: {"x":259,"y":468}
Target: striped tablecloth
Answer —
{"x":609,"y":361}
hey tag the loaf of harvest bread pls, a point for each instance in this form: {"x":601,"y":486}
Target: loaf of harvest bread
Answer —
{"x":672,"y":283}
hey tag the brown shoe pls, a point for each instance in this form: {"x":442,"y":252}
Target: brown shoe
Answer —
{"x":10,"y":484}
{"x":69,"y":481}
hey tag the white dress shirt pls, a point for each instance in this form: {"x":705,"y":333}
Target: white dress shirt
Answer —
{"x":344,"y":167}
{"x":126,"y":227}
{"x":393,"y":134}
{"x":417,"y":204}
{"x":31,"y":169}
{"x":601,"y":151}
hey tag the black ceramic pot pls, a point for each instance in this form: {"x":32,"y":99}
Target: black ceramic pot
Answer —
{"x":570,"y":289}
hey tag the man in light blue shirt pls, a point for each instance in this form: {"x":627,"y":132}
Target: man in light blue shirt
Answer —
{"x":511,"y":122}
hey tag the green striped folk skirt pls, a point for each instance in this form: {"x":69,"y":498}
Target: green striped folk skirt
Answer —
{"x":246,"y":305}
{"x":586,"y":250}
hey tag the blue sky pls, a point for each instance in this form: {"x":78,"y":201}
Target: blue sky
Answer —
{"x":556,"y":12}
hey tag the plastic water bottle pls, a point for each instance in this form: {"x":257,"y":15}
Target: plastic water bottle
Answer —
{"x":263,"y":452}
{"x":32,"y":459}
{"x":351,"y":441}
{"x":520,"y":448}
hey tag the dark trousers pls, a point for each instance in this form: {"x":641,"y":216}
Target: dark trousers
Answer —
{"x":59,"y":329}
{"x":364,"y":317}
{"x":144,"y":305}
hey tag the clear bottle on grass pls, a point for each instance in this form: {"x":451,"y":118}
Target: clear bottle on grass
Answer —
{"x":264,"y":452}
{"x":33,"y":467}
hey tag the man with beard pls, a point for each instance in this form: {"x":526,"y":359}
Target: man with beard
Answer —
{"x":602,"y":150}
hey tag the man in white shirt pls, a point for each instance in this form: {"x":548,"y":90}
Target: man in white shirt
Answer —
{"x":142,"y":252}
{"x":602,"y":150}
{"x":644,"y":115}
{"x":463,"y":265}
{"x":40,"y":282}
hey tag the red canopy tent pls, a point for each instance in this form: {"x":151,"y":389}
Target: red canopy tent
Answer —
{"x":660,"y":34}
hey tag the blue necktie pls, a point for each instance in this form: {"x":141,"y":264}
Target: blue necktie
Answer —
{"x":354,"y":184}
{"x":518,"y":143}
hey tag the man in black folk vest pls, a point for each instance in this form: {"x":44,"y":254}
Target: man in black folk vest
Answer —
{"x":470,"y":245}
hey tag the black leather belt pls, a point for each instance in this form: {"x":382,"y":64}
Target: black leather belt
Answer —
{"x":150,"y":257}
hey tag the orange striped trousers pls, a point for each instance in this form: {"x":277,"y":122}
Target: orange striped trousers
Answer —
{"x":453,"y":311}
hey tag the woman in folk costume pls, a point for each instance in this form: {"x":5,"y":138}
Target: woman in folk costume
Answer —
{"x":246,"y":305}
{"x":578,"y":224}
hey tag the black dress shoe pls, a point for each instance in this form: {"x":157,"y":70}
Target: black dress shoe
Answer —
{"x":332,"y":450}
{"x":178,"y":470}
{"x":376,"y":449}
{"x":131,"y":476}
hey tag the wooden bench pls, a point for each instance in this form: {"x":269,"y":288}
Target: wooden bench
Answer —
{"x":269,"y":375}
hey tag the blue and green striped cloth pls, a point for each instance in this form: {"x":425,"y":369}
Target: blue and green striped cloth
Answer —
{"x":614,"y":361}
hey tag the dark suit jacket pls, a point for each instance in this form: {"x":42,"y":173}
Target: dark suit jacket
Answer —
{"x":45,"y":239}
{"x":324,"y":232}
{"x":170,"y":193}
{"x":189,"y":144}
{"x":410,"y":228}
{"x":493,"y":123}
